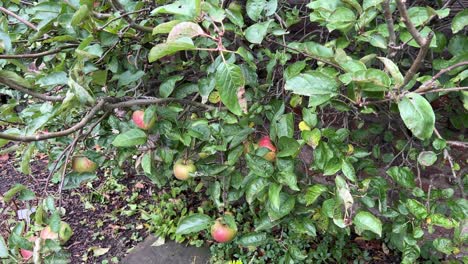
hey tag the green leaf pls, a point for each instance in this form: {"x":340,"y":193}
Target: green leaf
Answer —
{"x":188,"y":9}
{"x":342,"y":19}
{"x":146,"y":163}
{"x":234,"y":14}
{"x":253,"y":239}
{"x":254,"y":9}
{"x":130,"y":138}
{"x":3,"y":248}
{"x":287,"y":203}
{"x":427,"y":158}
{"x":15,"y":78}
{"x":403,"y":176}
{"x":79,"y":15}
{"x":367,"y":221}
{"x":392,"y":68}
{"x":254,"y":188}
{"x":193,"y":223}
{"x":184,"y":30}
{"x":371,"y":3}
{"x":313,"y":193}
{"x":166,"y":27}
{"x":288,"y":178}
{"x":259,"y":166}
{"x":288,"y":147}
{"x":256,"y":32}
{"x":169,"y":48}
{"x":274,"y":195}
{"x":460,"y":21}
{"x":416,"y":208}
{"x":74,"y":180}
{"x":168,"y":85}
{"x":348,"y":170}
{"x":417,"y":114}
{"x":81,"y":93}
{"x":443,"y":245}
{"x":17,"y":188}
{"x":313,"y":84}
{"x":442,"y":221}
{"x":229,"y":79}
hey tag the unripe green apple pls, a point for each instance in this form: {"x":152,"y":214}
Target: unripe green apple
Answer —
{"x":138,"y":118}
{"x":183,"y":168}
{"x":221,"y":232}
{"x":82,"y":164}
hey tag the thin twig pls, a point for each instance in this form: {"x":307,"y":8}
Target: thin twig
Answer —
{"x":429,"y":84}
{"x":30,"y":92}
{"x":121,"y":16}
{"x":390,"y":27}
{"x":37,"y":55}
{"x":118,"y":7}
{"x":24,"y":21}
{"x":447,"y":155}
{"x":150,"y":101}
{"x":401,"y":5}
{"x":67,"y":158}
{"x":61,"y":133}
{"x":418,"y":61}
{"x":453,"y":89}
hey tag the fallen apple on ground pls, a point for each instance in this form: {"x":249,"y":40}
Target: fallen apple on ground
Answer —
{"x":27,"y":254}
{"x":265,"y":142}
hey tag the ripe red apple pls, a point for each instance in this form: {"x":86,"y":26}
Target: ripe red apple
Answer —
{"x":138,"y":119}
{"x":183,"y":168}
{"x":221,"y":232}
{"x":265,"y":142}
{"x":27,"y":254}
{"x":82,"y":164}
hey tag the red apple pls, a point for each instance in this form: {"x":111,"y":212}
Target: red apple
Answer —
{"x":183,"y":168}
{"x":138,"y":119}
{"x":221,"y":232}
{"x":265,"y":142}
{"x":82,"y":164}
{"x":27,"y":254}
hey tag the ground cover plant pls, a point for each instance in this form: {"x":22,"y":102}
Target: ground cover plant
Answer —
{"x":290,"y":131}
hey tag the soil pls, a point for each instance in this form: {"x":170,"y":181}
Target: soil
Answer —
{"x":100,"y":225}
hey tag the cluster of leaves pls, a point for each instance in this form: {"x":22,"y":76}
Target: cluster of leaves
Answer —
{"x":37,"y":236}
{"x":219,"y":75}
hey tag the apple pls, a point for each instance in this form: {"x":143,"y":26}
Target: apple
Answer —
{"x":265,"y":142}
{"x":64,"y":234}
{"x":139,"y":120}
{"x":47,"y":233}
{"x":222,"y":232}
{"x":183,"y":168}
{"x":82,"y":164}
{"x":27,"y":254}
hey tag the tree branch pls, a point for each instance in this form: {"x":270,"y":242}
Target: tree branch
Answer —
{"x":25,"y":90}
{"x":418,"y":61}
{"x":37,"y":55}
{"x":429,"y":84}
{"x":121,"y":16}
{"x":453,"y":89}
{"x":62,"y":133}
{"x":118,"y":7}
{"x":24,"y":21}
{"x":150,"y":101}
{"x":401,"y":5}
{"x":390,"y":27}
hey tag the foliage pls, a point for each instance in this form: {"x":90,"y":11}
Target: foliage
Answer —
{"x":345,"y":90}
{"x":28,"y":233}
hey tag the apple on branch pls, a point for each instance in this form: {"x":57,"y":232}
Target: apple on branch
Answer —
{"x":265,"y":142}
{"x":183,"y":168}
{"x":138,"y":118}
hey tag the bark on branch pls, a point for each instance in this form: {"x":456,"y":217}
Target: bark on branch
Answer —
{"x":25,"y":90}
{"x":430,"y":84}
{"x":37,"y":55}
